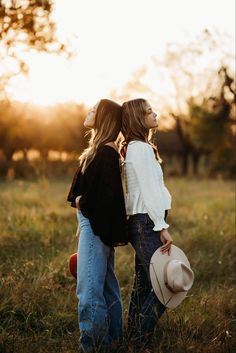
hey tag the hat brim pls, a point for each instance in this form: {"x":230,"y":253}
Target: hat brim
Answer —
{"x":73,"y":265}
{"x":156,"y":269}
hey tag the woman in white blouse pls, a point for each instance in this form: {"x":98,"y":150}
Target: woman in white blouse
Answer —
{"x":147,"y":204}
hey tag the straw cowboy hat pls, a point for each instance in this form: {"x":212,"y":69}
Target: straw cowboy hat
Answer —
{"x":171,"y":276}
{"x":73,"y":264}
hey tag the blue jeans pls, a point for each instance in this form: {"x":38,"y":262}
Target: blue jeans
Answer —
{"x":145,"y":309}
{"x":100,"y":308}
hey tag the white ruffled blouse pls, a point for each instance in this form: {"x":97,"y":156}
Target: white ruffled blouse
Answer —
{"x":146,"y":191}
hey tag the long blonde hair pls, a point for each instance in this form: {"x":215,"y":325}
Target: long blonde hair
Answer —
{"x":133,"y":125}
{"x":108,"y":120}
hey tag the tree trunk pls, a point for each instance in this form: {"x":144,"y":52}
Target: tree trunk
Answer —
{"x":9,"y":154}
{"x":44,"y":154}
{"x":25,"y":154}
{"x":185,"y":164}
{"x":195,"y":160}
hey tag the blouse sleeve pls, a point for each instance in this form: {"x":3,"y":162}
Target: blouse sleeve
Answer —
{"x":143,"y":159}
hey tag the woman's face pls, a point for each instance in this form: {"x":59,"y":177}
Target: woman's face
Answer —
{"x":150,"y":117}
{"x":89,"y":121}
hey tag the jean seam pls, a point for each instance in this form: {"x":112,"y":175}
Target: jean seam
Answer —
{"x":91,"y":292}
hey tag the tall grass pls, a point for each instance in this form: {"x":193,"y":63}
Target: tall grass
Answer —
{"x":38,"y":307}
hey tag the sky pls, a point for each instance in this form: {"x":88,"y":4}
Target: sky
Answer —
{"x":112,"y":39}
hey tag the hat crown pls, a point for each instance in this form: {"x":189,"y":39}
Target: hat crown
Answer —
{"x":178,"y":276}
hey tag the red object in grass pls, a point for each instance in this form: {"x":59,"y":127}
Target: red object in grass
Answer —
{"x":73,"y":265}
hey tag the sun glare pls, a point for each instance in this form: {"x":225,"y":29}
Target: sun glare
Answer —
{"x":113,"y":40}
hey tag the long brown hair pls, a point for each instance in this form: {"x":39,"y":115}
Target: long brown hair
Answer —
{"x":133,"y":125}
{"x":107,"y":126}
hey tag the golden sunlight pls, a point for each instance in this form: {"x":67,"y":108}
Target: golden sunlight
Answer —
{"x":111,"y":41}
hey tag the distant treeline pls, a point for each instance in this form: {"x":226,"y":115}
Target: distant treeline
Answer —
{"x":206,"y":133}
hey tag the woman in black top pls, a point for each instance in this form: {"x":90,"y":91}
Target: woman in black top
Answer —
{"x":97,"y":193}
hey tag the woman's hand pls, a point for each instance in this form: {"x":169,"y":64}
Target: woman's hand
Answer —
{"x":77,"y":202}
{"x":166,"y":240}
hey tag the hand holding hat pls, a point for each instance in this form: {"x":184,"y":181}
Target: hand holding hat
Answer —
{"x":171,"y":276}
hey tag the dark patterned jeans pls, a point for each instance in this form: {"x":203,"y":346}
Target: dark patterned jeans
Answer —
{"x":145,"y":309}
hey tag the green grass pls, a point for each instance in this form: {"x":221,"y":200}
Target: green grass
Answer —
{"x":38,"y":307}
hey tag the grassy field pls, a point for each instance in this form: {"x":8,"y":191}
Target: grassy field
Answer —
{"x":38,"y":307}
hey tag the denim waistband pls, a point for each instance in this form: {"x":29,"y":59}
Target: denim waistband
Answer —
{"x":139,"y":216}
{"x":144,"y":216}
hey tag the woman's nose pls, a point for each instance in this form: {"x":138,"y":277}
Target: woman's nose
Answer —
{"x":155,"y":115}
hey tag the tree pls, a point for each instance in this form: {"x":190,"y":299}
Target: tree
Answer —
{"x":193,"y":79}
{"x":213,"y":125}
{"x":11,"y":129}
{"x":189,"y":70}
{"x":68,"y":128}
{"x":25,"y":25}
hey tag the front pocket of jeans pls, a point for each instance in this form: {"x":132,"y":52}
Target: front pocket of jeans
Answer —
{"x":149,"y":222}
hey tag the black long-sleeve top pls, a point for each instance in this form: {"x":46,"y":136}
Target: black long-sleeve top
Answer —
{"x":102,"y":200}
